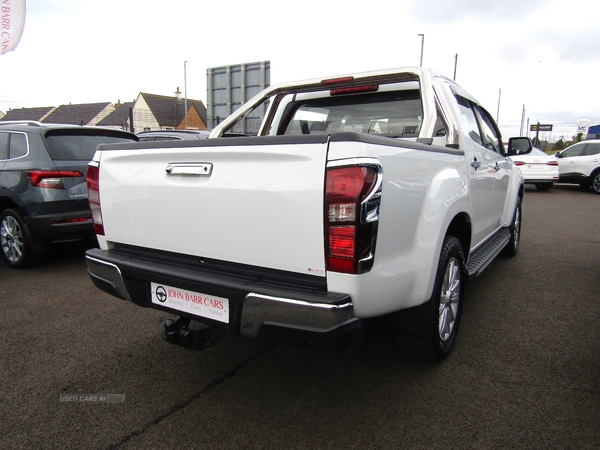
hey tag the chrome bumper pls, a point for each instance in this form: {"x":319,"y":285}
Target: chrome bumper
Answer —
{"x":261,"y":315}
{"x":260,"y":309}
{"x":109,"y":275}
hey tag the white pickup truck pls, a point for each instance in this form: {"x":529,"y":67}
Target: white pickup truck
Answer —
{"x":374,"y":195}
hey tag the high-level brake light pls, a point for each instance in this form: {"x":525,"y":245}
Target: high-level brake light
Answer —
{"x":354,"y":90}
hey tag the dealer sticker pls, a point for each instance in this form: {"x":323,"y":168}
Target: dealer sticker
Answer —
{"x":196,"y":303}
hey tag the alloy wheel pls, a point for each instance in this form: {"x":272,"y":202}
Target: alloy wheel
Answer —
{"x":11,"y":239}
{"x":449,"y":299}
{"x":596,"y":183}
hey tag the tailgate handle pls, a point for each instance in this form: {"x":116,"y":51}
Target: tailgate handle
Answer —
{"x":189,"y":169}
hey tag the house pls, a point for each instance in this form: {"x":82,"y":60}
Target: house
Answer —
{"x":159,"y":112}
{"x":149,"y":112}
{"x":81,"y":114}
{"x":119,"y":118}
{"x":37,"y":114}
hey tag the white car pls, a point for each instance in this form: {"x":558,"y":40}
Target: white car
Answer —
{"x":580,"y":164}
{"x":538,"y":168}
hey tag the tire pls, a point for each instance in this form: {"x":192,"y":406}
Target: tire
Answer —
{"x":16,"y":249}
{"x":543,"y":186}
{"x":596,"y":182}
{"x":512,"y":247}
{"x":429,"y":331}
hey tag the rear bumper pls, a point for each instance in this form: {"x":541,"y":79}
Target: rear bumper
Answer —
{"x":63,"y":227}
{"x":283,"y":313}
{"x":540,"y":180}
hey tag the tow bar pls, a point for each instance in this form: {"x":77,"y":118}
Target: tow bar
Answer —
{"x":177,"y":332}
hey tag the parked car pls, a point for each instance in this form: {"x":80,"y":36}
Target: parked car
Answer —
{"x":580,"y":164}
{"x":538,"y":168}
{"x":172,"y":135}
{"x":43,"y":194}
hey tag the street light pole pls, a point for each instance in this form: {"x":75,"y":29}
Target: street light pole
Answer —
{"x":498,"y":113}
{"x":185,"y":92}
{"x":455,"y":64}
{"x":422,"y":46}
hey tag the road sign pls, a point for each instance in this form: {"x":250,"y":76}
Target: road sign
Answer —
{"x":541,"y":127}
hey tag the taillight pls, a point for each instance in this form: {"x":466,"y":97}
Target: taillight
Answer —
{"x":519,"y":163}
{"x":92,"y":178}
{"x":552,"y":163}
{"x":51,"y":179}
{"x":352,"y":199}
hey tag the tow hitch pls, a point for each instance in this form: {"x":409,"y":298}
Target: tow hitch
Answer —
{"x":177,"y":333}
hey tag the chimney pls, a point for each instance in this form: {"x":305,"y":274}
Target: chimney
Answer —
{"x":178,"y":93}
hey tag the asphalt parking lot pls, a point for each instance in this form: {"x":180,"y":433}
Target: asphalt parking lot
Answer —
{"x":81,"y":369}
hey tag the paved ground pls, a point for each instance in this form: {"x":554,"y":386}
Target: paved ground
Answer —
{"x":525,"y":373}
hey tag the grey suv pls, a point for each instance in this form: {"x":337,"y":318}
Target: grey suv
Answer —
{"x":43,"y":194}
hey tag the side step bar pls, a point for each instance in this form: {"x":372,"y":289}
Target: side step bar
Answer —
{"x":484,"y":255}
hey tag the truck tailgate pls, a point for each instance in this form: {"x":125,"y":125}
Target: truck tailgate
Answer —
{"x":255,"y":201}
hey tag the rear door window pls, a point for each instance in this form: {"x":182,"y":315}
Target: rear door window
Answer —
{"x":4,"y":145}
{"x":17,"y":145}
{"x":591,"y":149}
{"x":79,"y":145}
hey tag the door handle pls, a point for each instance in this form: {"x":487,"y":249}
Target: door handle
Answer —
{"x":189,"y":169}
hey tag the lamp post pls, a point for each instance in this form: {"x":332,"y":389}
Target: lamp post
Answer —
{"x":455,"y":64}
{"x":498,"y":113}
{"x":185,"y":92}
{"x":422,"y":46}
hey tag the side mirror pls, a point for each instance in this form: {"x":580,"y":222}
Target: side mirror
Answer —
{"x":557,"y":155}
{"x":519,"y":146}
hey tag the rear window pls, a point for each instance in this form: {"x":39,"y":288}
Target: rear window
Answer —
{"x":80,"y":145}
{"x":395,"y":114}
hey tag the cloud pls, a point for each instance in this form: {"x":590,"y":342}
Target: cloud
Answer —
{"x":489,"y":11}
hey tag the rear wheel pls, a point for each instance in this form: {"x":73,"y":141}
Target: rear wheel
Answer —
{"x":13,"y":241}
{"x":543,"y":186}
{"x":512,"y":247}
{"x":428,"y":331}
{"x":596,"y":182}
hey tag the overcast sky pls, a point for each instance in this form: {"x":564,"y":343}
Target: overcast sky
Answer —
{"x":543,"y":55}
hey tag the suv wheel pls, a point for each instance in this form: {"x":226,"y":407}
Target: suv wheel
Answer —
{"x":15,"y":248}
{"x":596,"y":182}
